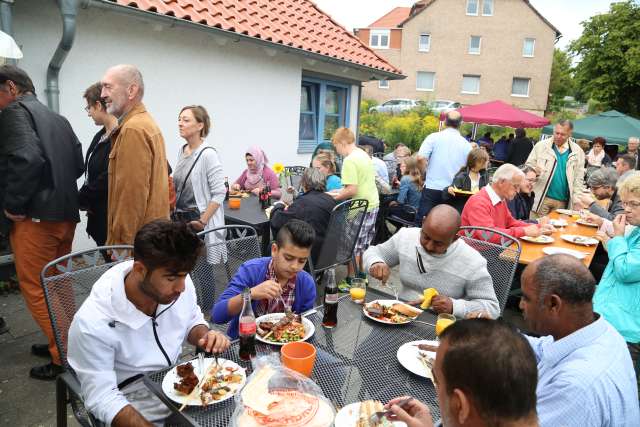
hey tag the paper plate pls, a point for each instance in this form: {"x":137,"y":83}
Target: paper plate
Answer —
{"x":386,"y":303}
{"x":348,"y":417}
{"x":558,"y":222}
{"x":555,"y":250}
{"x":309,"y":328}
{"x":407,"y":355}
{"x":567,"y":212}
{"x":587,"y":223}
{"x":543,"y":239}
{"x":579,"y":240}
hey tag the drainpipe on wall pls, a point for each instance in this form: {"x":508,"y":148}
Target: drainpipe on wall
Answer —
{"x":6,"y":22}
{"x":69,"y":12}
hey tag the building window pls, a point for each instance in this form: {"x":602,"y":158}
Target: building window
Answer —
{"x":472,"y":7}
{"x":379,"y":39}
{"x":487,"y":7}
{"x":520,"y":87}
{"x":474,"y":45}
{"x":383,"y":84}
{"x":529,"y":48}
{"x":425,"y":80}
{"x":424,"y":43}
{"x":324,"y":107}
{"x":470,"y":84}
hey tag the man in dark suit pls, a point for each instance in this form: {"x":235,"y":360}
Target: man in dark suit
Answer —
{"x":519,"y":149}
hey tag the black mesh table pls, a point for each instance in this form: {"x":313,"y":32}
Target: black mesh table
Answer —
{"x":355,"y":361}
{"x":251,"y":214}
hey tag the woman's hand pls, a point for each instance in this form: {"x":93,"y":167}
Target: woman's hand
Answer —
{"x":256,"y":191}
{"x":451,"y":191}
{"x":236,"y":187}
{"x":619,"y":223}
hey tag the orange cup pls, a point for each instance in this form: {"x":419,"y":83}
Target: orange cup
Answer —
{"x":299,"y":356}
{"x":234,"y":202}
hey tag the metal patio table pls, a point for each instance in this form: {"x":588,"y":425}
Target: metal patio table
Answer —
{"x":355,"y":361}
{"x":250,"y":214}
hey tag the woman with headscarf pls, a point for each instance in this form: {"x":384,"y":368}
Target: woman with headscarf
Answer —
{"x":258,"y":174}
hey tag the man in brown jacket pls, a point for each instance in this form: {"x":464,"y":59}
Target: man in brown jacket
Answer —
{"x":138,"y":186}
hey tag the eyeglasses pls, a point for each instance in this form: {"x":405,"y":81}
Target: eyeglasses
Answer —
{"x":631,"y":204}
{"x":532,"y":180}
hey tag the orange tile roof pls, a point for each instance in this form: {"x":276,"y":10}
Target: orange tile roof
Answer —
{"x":393,"y":18}
{"x":298,"y":24}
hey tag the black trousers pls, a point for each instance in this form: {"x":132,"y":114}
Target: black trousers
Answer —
{"x":429,"y":199}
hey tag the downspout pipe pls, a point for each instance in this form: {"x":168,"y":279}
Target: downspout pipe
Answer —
{"x":69,"y":12}
{"x":6,"y":22}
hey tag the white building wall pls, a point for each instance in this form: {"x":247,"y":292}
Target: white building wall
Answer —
{"x":253,"y":98}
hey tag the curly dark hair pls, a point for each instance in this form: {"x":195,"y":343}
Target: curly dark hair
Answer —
{"x":169,"y":244}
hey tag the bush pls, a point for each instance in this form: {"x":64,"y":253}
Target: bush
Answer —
{"x":366,"y":104}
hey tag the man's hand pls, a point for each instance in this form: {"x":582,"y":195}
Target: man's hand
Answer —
{"x":214,"y":342}
{"x":268,"y":290}
{"x":380,"y":271}
{"x":547,"y":229}
{"x":478,"y":315}
{"x":414,"y":414}
{"x":619,"y":223}
{"x":586,"y":199}
{"x":442,"y":304}
{"x":593,"y":218}
{"x":196,"y":225}
{"x":578,"y":205}
{"x":532,"y":231}
{"x":14,"y":218}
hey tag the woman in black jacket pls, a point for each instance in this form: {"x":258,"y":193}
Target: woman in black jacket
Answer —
{"x":520,"y":206}
{"x":94,"y":193}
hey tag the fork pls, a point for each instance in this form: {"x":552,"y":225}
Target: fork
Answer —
{"x":376,"y":416}
{"x":219,"y":374}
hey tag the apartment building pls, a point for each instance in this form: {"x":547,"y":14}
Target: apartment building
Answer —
{"x":468,"y":51}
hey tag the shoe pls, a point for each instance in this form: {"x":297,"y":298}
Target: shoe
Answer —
{"x":3,"y":326}
{"x":47,"y":372}
{"x":40,"y":350}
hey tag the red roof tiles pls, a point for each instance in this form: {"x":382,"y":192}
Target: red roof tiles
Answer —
{"x":293,"y":23}
{"x":392,"y":19}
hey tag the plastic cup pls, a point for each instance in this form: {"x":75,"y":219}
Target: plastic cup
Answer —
{"x":299,"y":356}
{"x":443,"y":322}
{"x":358,"y":290}
{"x":234,"y":202}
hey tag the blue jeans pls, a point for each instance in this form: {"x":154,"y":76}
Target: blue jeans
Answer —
{"x":429,"y":199}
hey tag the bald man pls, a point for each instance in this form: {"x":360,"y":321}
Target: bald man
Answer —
{"x":434,"y":257}
{"x":138,"y":176}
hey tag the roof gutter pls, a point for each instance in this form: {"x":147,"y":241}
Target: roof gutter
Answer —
{"x":375,"y":74}
{"x":69,"y":12}
{"x":6,"y":21}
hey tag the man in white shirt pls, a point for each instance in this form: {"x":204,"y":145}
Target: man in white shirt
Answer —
{"x":135,"y":320}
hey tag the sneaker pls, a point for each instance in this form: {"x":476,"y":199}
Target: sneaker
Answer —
{"x":40,"y":350}
{"x":47,"y":372}
{"x":4,"y":328}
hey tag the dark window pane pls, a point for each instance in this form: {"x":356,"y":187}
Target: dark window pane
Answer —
{"x":307,"y":127}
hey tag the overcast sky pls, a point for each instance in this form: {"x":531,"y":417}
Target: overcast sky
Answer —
{"x":565,"y":15}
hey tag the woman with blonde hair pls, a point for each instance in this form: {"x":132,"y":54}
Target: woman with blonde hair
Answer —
{"x":472,"y":176}
{"x":325,"y":163}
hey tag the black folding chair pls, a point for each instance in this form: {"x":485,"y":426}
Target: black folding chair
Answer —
{"x":406,"y":218}
{"x":341,"y":237}
{"x":502,"y":258}
{"x":67,"y":281}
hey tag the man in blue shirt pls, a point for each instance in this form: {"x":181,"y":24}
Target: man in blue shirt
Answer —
{"x":585,"y":374}
{"x":445,"y":152}
{"x":277,"y":282}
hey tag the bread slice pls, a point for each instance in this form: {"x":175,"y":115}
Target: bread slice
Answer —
{"x":406,"y":310}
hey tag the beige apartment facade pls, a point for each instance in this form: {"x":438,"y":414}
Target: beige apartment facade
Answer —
{"x":468,"y":51}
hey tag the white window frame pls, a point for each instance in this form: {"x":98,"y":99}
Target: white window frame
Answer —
{"x":533,"y":49}
{"x":433,"y":85}
{"x":528,"y":79}
{"x":428,"y":48}
{"x":381,"y":84}
{"x":479,"y":46}
{"x":477,"y":2}
{"x":379,"y":34}
{"x":470,"y":75}
{"x":492,"y":6}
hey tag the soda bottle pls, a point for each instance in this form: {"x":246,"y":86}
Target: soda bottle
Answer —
{"x":268,"y":195}
{"x":226,"y":185}
{"x":247,"y":327}
{"x":330,"y":308}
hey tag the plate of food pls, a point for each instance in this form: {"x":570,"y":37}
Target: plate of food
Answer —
{"x":359,"y":414}
{"x":465,"y":192}
{"x":579,"y":240}
{"x":558,"y":222}
{"x":552,"y":250}
{"x":542,"y":239}
{"x":418,"y":357}
{"x":587,"y":223}
{"x":567,"y":212}
{"x":240,"y":193}
{"x":279,"y":329}
{"x":390,"y":312}
{"x":179,"y":383}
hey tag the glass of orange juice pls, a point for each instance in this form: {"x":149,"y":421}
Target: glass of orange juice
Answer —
{"x":358,"y":290}
{"x":443,"y":322}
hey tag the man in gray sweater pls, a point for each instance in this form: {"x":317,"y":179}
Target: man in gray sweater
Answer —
{"x":434,"y":257}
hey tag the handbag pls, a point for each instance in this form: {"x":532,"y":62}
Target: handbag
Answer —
{"x":192,"y":214}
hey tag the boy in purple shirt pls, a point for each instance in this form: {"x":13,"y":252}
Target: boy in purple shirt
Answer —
{"x":276,"y":281}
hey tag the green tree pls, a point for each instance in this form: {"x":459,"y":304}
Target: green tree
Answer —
{"x":561,"y":82}
{"x":609,"y":53}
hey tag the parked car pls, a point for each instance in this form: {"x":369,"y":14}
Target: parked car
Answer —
{"x":395,"y":106}
{"x":443,"y":105}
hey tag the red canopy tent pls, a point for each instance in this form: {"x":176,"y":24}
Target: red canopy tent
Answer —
{"x":498,"y":113}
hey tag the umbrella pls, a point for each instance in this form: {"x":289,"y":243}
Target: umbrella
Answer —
{"x":8,"y":47}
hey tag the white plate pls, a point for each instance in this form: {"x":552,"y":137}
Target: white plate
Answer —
{"x":567,"y":212}
{"x":172,"y":377}
{"x":588,"y":241}
{"x":552,"y":250}
{"x":587,"y":223}
{"x":348,"y":416}
{"x":558,"y":222}
{"x":386,"y":303}
{"x":408,"y":356}
{"x":309,"y":329}
{"x":544,"y":241}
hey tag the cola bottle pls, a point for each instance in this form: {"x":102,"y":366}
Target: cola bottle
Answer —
{"x":226,"y":186}
{"x":330,"y":308}
{"x":247,"y":327}
{"x":268,"y":191}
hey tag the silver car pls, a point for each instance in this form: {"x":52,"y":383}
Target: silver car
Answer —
{"x":395,"y":106}
{"x":443,"y":105}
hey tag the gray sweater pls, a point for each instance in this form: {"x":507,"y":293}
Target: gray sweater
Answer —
{"x":461,"y":273}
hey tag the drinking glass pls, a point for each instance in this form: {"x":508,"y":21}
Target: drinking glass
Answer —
{"x":358,"y":290}
{"x":443,"y":321}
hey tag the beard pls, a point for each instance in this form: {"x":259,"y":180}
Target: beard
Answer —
{"x":147,"y":288}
